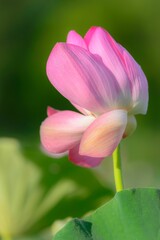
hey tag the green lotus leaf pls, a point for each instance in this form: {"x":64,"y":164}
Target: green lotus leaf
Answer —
{"x":131,"y":215}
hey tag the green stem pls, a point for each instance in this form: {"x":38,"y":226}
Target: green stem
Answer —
{"x":117,"y":169}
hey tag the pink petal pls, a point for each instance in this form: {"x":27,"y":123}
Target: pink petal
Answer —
{"x":82,"y":110}
{"x":102,"y":137}
{"x":89,"y":34}
{"x":80,"y":77}
{"x":81,"y":160}
{"x":101,"y":43}
{"x":63,"y":130}
{"x":139,"y":83}
{"x":76,"y":39}
{"x":54,"y":155}
{"x":51,"y":111}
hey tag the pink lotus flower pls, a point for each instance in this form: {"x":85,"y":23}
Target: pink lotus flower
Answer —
{"x":102,"y":80}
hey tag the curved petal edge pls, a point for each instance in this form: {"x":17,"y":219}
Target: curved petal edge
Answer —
{"x":102,"y":137}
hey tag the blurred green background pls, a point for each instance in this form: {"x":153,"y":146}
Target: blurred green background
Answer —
{"x":28,"y":31}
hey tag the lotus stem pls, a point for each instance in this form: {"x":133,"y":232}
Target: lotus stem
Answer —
{"x":117,"y":169}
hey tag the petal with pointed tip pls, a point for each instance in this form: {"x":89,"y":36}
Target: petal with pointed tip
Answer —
{"x":63,"y":130}
{"x":100,"y":42}
{"x":89,"y":34}
{"x":102,"y":137}
{"x":138,"y":82}
{"x":76,"y":39}
{"x":51,"y":111}
{"x":82,"y":78}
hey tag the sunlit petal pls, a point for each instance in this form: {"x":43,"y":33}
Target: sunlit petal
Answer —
{"x":104,"y":134}
{"x":82,"y":78}
{"x":63,"y":130}
{"x":101,"y":43}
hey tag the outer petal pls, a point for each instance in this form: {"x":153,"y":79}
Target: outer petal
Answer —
{"x":54,"y":155}
{"x":63,"y":130}
{"x":81,"y":160}
{"x":104,"y":134}
{"x":51,"y":111}
{"x":139,"y":83}
{"x":100,"y":42}
{"x":82,"y":78}
{"x":76,"y":39}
